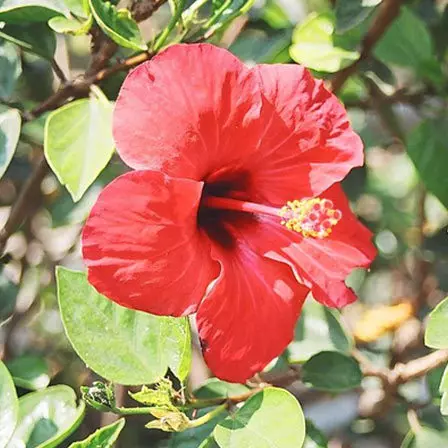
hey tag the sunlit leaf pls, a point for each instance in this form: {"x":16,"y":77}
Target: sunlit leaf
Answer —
{"x":46,"y":418}
{"x":70,"y":26}
{"x":122,"y":345}
{"x":426,"y":146}
{"x":117,"y":24}
{"x":9,"y":406}
{"x":103,"y":438}
{"x":332,"y":371}
{"x":9,"y":137}
{"x":316,"y":46}
{"x":10,"y":69}
{"x":318,"y":329}
{"x":29,"y":372}
{"x":36,"y":38}
{"x":78,"y":143}
{"x":258,"y":424}
{"x":19,"y":11}
{"x":428,"y":437}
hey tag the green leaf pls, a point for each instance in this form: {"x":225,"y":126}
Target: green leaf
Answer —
{"x":257,"y":423}
{"x":318,"y":329}
{"x":443,"y":385}
{"x":78,"y":143}
{"x":429,"y":438}
{"x":9,"y":406}
{"x":29,"y":372}
{"x":124,"y":346}
{"x":47,"y":417}
{"x":160,"y":396}
{"x":10,"y":69}
{"x":19,"y":11}
{"x":314,"y":438}
{"x":436,"y":335}
{"x":118,"y":25}
{"x":8,"y":294}
{"x":316,"y":46}
{"x":426,"y":146}
{"x":225,"y":12}
{"x":70,"y":26}
{"x":9,"y":137}
{"x":350,"y":13}
{"x":103,"y":438}
{"x":214,"y":388}
{"x":78,"y":7}
{"x":36,"y":38}
{"x":444,"y":403}
{"x":406,"y":43}
{"x":332,"y":371}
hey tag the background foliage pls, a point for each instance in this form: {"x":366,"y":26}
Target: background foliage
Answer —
{"x":372,"y":376}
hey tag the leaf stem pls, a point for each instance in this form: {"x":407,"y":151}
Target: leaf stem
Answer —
{"x":209,"y":416}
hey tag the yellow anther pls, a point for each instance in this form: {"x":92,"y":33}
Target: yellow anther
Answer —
{"x":313,"y":217}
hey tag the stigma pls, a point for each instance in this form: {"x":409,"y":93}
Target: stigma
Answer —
{"x":313,"y":218}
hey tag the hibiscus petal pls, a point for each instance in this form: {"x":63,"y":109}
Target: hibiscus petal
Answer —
{"x":248,"y":317}
{"x":307,"y":144}
{"x":142,"y":246}
{"x":321,"y":264}
{"x":190,"y":111}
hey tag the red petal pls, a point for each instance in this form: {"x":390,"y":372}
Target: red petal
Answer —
{"x":248,"y":317}
{"x":142,"y":247}
{"x":307,"y":143}
{"x":191,"y":110}
{"x":322,"y":264}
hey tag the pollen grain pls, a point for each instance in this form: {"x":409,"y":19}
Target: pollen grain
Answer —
{"x":313,"y":217}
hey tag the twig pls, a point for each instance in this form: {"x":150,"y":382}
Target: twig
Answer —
{"x":389,"y":10}
{"x":58,"y":71}
{"x":143,"y":9}
{"x":20,"y":208}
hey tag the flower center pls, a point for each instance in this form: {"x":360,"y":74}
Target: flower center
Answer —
{"x":314,"y":217}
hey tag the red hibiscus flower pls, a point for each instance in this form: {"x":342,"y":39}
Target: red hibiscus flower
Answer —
{"x":234,"y":211}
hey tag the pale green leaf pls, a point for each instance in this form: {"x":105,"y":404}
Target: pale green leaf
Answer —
{"x":19,"y":11}
{"x":315,"y":45}
{"x":318,"y":329}
{"x":9,"y":406}
{"x":70,"y":26}
{"x":124,"y":346}
{"x":117,"y":24}
{"x":103,"y":438}
{"x":9,"y":137}
{"x":257,"y":423}
{"x":78,"y":143}
{"x":436,"y":334}
{"x":332,"y":371}
{"x":429,"y":438}
{"x":46,"y":418}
